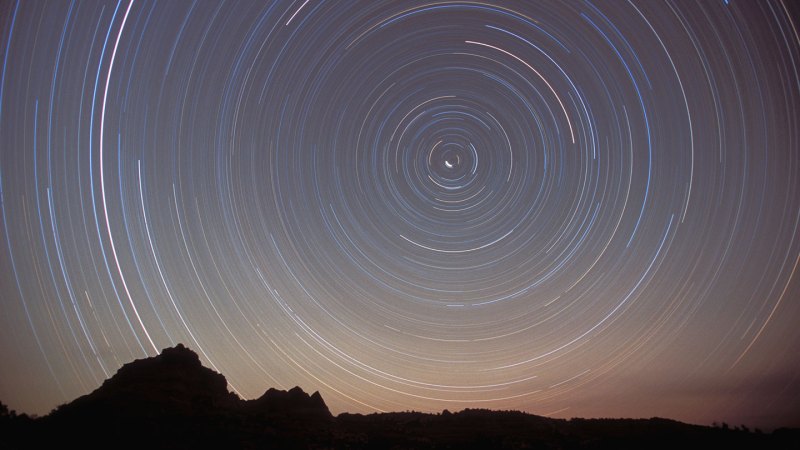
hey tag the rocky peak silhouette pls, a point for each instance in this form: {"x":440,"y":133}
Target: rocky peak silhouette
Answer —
{"x":176,"y":383}
{"x":294,"y":402}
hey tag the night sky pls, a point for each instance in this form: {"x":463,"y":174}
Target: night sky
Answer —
{"x":575,"y":209}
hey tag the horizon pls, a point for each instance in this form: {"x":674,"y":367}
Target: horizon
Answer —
{"x":311,"y":392}
{"x":572,"y":209}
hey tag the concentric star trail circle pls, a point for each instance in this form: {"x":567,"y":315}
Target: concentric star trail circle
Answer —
{"x":570,"y":208}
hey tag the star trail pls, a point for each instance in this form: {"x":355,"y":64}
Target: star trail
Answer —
{"x":575,"y":209}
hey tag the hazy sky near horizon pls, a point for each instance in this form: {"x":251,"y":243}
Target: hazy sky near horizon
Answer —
{"x":576,"y":209}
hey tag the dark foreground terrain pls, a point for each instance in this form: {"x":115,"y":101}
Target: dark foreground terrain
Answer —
{"x":172,"y":401}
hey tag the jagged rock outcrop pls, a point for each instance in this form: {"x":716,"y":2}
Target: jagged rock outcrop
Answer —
{"x":294,"y":402}
{"x":172,"y":383}
{"x":174,"y":399}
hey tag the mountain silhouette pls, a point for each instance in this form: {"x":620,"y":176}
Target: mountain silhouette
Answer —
{"x":172,"y":383}
{"x":294,"y":403}
{"x":173,"y":401}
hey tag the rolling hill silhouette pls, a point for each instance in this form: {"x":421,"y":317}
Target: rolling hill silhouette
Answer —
{"x":173,"y":401}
